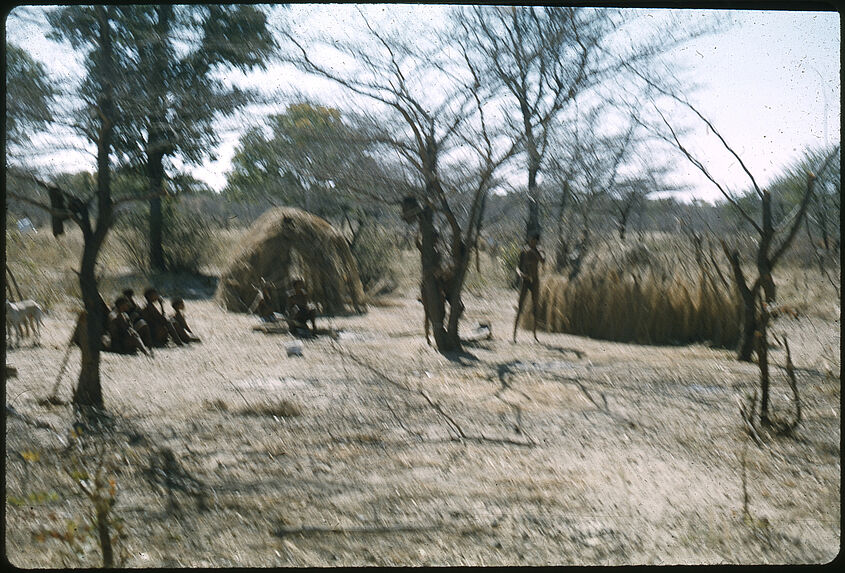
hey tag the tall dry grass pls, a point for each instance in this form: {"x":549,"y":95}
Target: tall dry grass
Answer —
{"x":45,"y":267}
{"x":647,"y":294}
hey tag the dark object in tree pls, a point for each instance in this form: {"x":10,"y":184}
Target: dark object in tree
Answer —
{"x":57,"y":202}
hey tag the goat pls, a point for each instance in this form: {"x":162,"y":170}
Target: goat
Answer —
{"x":24,"y":316}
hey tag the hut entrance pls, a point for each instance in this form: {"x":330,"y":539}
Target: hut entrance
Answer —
{"x":287,"y":243}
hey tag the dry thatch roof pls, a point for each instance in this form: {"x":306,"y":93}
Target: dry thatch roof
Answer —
{"x":285,"y":243}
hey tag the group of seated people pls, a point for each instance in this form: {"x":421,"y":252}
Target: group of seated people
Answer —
{"x":131,"y":328}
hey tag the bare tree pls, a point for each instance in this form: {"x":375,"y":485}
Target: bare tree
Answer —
{"x":773,"y":238}
{"x":440,"y":154}
{"x":541,"y":58}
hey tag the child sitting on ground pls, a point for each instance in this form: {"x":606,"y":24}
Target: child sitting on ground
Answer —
{"x":182,"y":329}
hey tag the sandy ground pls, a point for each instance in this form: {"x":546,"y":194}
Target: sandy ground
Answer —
{"x":373,"y":449}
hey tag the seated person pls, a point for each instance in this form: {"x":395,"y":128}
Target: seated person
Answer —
{"x":136,"y":319}
{"x":300,"y":309}
{"x":263,"y":303}
{"x":82,"y":320}
{"x":123,"y":338}
{"x":178,"y":318}
{"x":161,"y":328}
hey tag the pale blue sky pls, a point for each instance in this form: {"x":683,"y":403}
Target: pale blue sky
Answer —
{"x":770,"y":84}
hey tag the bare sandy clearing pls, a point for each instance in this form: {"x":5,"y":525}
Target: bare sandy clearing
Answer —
{"x":374,"y":449}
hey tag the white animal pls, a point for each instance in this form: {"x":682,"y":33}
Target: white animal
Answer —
{"x":26,"y":227}
{"x":24,"y":316}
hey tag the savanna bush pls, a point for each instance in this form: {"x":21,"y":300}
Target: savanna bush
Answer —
{"x":508,"y":258}
{"x":187,"y":239}
{"x":375,"y":254}
{"x":632,"y":298}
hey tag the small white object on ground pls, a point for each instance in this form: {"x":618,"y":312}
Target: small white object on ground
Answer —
{"x":294,"y":348}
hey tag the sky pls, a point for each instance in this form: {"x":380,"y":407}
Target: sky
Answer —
{"x":770,"y":83}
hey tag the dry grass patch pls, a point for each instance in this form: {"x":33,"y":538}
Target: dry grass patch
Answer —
{"x":643,"y":294}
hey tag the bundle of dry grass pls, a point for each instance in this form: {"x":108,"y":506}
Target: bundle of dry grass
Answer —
{"x":285,"y":243}
{"x":643,"y":303}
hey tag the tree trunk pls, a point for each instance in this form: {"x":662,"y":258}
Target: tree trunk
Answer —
{"x":762,"y":347}
{"x":158,"y":145}
{"x":533,"y":226}
{"x":460,"y":263}
{"x":747,"y":299}
{"x":156,"y":221}
{"x":764,"y":265}
{"x":435,"y":304}
{"x":88,"y":390}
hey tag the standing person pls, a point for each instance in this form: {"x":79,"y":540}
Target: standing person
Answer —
{"x":161,"y":329}
{"x":182,"y":328}
{"x":528,"y":270}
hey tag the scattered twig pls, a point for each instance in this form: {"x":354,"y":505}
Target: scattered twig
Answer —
{"x":745,"y":512}
{"x":451,"y":421}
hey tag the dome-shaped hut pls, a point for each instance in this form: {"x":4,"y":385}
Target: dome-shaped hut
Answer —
{"x":286,"y":243}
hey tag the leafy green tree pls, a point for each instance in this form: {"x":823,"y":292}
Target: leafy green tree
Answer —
{"x":174,"y":58}
{"x":296,"y":160}
{"x":30,"y":95}
{"x":91,"y":29}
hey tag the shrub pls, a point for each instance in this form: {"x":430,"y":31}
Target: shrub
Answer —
{"x":376,"y":256}
{"x":508,"y":259}
{"x":187,"y":239}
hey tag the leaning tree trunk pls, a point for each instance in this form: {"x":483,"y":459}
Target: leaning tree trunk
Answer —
{"x":747,"y":297}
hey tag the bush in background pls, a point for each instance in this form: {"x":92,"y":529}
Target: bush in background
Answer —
{"x":508,"y":258}
{"x":376,"y":255}
{"x":188,"y":239}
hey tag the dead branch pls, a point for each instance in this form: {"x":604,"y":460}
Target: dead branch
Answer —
{"x":451,"y":421}
{"x":788,"y":427}
{"x":748,"y":416}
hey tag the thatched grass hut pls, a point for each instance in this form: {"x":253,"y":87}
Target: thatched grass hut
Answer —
{"x":285,"y":243}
